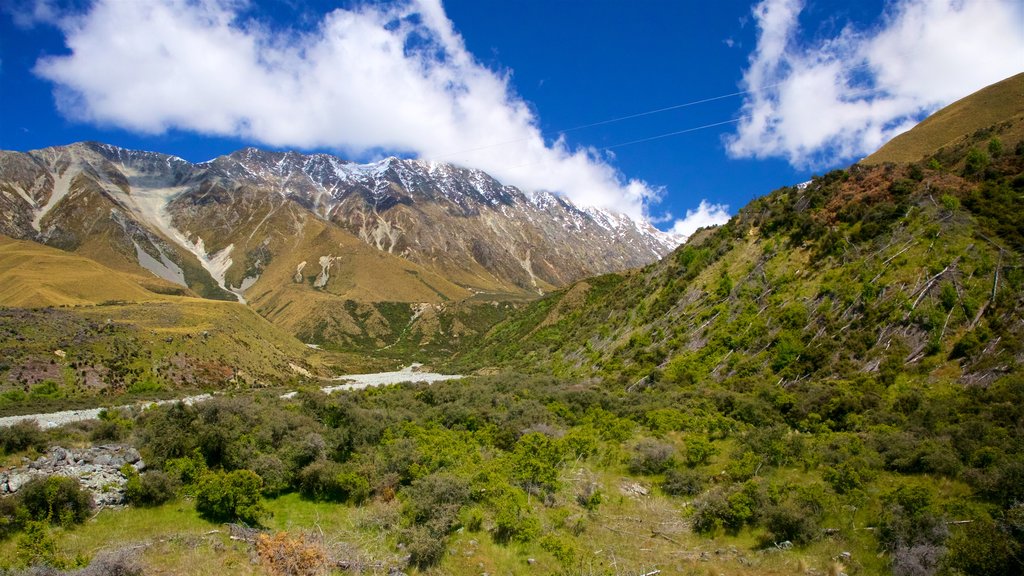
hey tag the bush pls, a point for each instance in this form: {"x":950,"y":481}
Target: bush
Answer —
{"x":788,"y":521}
{"x":150,"y":489}
{"x":699,"y":450}
{"x":682,"y":482}
{"x":436,"y":500}
{"x":275,"y":473}
{"x":651,"y":457}
{"x":535,"y":461}
{"x":327,"y":480}
{"x":22,"y":435}
{"x":10,"y":522}
{"x":55,"y":499}
{"x":425,"y":549}
{"x":232,"y":496}
{"x":983,"y":548}
{"x":719,"y":510}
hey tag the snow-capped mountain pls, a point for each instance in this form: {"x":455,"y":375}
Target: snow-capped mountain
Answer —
{"x":217,"y":226}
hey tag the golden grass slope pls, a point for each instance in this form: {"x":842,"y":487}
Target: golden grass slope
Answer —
{"x":34,"y":275}
{"x":1000,"y":102}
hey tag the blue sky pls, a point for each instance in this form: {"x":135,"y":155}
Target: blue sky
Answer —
{"x":600,"y":100}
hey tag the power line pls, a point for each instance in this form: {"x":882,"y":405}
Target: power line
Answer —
{"x":614,"y":120}
{"x":666,"y":109}
{"x":657,"y":137}
{"x":676,"y":133}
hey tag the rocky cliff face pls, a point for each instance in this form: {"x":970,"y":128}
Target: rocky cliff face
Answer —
{"x":217,"y":226}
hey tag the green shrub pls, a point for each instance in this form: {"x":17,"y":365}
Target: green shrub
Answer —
{"x":150,"y":489}
{"x":21,"y":435}
{"x":436,"y":499}
{"x":788,"y":521}
{"x":513,"y":523}
{"x":424,"y":548}
{"x":55,"y":499}
{"x":843,"y":477}
{"x":982,"y":547}
{"x":327,"y":480}
{"x":535,"y":460}
{"x":234,"y":496}
{"x":699,"y":450}
{"x":683,"y":482}
{"x":651,"y":457}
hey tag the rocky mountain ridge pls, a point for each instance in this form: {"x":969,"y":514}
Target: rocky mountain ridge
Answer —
{"x":185,"y":222}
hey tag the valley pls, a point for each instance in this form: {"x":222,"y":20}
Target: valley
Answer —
{"x":829,"y":383}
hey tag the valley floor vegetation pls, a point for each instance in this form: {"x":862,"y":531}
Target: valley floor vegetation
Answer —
{"x":523,"y":474}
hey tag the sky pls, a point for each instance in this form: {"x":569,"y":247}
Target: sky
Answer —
{"x":674,"y":112}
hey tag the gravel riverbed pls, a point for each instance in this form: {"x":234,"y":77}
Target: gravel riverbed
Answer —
{"x":352,"y":382}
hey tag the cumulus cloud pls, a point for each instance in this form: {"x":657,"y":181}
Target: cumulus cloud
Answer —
{"x":704,"y":215}
{"x":817,"y":102}
{"x":393,"y":78}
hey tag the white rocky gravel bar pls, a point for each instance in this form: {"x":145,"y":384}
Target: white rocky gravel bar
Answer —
{"x":352,"y":382}
{"x":55,"y":419}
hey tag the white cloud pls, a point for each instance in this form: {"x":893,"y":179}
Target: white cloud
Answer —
{"x":819,"y":102}
{"x":704,"y":215}
{"x":396,"y":78}
{"x":26,"y":14}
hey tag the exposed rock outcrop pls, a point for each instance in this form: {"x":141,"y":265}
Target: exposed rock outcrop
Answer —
{"x":97,"y":469}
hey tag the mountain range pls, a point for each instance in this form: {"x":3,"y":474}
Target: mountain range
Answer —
{"x":335,"y":252}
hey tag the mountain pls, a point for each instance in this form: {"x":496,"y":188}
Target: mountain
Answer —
{"x":996,"y":104}
{"x":335,"y":252}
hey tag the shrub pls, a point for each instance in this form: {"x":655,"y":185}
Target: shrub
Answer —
{"x":326,"y":480}
{"x":682,"y":482}
{"x":788,"y":521}
{"x":983,"y":548}
{"x":10,"y":522}
{"x":232,"y":496}
{"x":843,"y":477}
{"x":424,"y":548}
{"x":535,"y":459}
{"x":55,"y":499}
{"x":150,"y":489}
{"x":975,"y":162}
{"x":22,"y":435}
{"x":275,"y":473}
{"x":699,"y":450}
{"x":513,"y":523}
{"x":719,"y":510}
{"x":436,"y":500}
{"x":651,"y":457}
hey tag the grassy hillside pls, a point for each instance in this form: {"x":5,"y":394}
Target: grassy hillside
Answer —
{"x":998,"y":103}
{"x":58,"y":357}
{"x":34,"y":275}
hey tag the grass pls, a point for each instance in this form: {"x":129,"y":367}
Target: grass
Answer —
{"x":35,"y":275}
